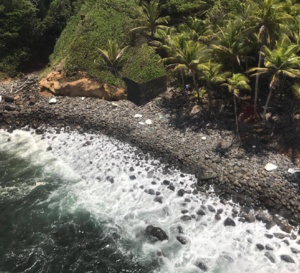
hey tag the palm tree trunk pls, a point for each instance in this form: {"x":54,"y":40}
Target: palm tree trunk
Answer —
{"x":257,"y":81}
{"x":195,"y":86}
{"x":267,"y":104}
{"x":235,"y":113}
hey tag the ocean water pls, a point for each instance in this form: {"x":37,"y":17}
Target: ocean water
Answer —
{"x":73,"y":202}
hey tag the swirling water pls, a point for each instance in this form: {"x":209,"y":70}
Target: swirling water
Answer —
{"x":83,"y":205}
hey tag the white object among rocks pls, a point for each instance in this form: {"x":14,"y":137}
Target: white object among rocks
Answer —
{"x":148,"y":121}
{"x":270,"y":167}
{"x":138,"y":115}
{"x":203,"y":138}
{"x":52,"y":101}
{"x":0,"y":98}
{"x":142,"y":123}
{"x":291,"y":170}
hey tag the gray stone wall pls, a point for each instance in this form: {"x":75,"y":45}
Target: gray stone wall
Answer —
{"x":141,"y":93}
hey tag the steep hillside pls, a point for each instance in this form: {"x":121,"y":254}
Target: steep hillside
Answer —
{"x":90,"y":28}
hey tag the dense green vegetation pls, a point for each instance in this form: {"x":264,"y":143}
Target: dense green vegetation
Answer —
{"x":29,"y":29}
{"x":220,"y":46}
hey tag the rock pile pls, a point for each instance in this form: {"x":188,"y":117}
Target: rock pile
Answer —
{"x":209,"y":153}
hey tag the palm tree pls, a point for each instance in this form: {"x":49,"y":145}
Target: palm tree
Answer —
{"x":113,"y":56}
{"x":236,"y":83}
{"x":280,"y":63}
{"x":269,"y":19}
{"x":196,"y":29}
{"x":230,"y":47}
{"x":151,"y":20}
{"x":211,"y":73}
{"x":185,"y":57}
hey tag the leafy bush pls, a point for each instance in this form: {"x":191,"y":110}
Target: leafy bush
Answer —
{"x":143,"y":64}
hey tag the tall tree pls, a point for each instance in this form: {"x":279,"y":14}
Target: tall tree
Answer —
{"x":211,"y":73}
{"x":230,"y":48}
{"x":269,"y":19}
{"x":186,"y":57}
{"x":236,"y":83}
{"x":280,"y":63}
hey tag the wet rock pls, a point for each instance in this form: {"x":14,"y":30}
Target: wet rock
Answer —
{"x":217,"y":216}
{"x":188,"y":200}
{"x":271,"y":257}
{"x":200,"y":212}
{"x":180,"y":229}
{"x":202,"y":266}
{"x":279,"y":235}
{"x":269,"y":247}
{"x":229,"y":222}
{"x":287,"y":258}
{"x":295,"y":250}
{"x":157,"y":232}
{"x":150,"y":174}
{"x":158,"y":199}
{"x":110,"y":179}
{"x":286,"y":242}
{"x":286,"y":228}
{"x":49,"y":148}
{"x":166,"y":182}
{"x":219,"y":211}
{"x":241,"y":219}
{"x":269,"y":236}
{"x":151,"y":192}
{"x":211,"y":208}
{"x":181,"y":192}
{"x":184,"y":211}
{"x":39,"y":131}
{"x":227,"y":258}
{"x":132,"y":177}
{"x":249,"y":218}
{"x":270,"y":224}
{"x":171,"y":187}
{"x":260,"y":247}
{"x":181,"y":239}
{"x":186,"y":218}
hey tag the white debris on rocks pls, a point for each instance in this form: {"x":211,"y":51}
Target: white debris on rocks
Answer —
{"x":148,"y":121}
{"x":52,"y":101}
{"x":292,"y":170}
{"x":270,"y":167}
{"x":138,"y":116}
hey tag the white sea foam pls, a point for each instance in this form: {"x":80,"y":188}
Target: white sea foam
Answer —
{"x":124,"y":207}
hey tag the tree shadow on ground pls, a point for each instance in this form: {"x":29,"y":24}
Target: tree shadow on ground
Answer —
{"x":281,"y":133}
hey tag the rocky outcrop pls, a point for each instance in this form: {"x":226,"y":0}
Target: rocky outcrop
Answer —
{"x":55,"y":84}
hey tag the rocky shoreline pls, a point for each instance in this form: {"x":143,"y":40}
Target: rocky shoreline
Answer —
{"x":208,"y":153}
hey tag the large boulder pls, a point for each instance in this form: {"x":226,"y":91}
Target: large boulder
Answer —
{"x":55,"y":84}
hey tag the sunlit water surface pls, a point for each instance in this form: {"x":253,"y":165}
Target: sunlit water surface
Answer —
{"x":83,"y":205}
